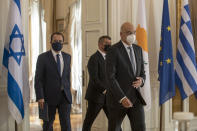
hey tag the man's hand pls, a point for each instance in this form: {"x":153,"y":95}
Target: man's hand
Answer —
{"x":41,"y":103}
{"x":137,"y":83}
{"x":126,"y":103}
{"x":105,"y":91}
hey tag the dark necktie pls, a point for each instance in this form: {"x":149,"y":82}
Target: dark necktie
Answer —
{"x":58,"y":64}
{"x":132,"y":59}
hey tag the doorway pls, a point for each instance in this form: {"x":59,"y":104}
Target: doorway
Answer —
{"x":45,"y":18}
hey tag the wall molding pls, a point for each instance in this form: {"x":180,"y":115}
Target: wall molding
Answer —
{"x":3,"y":90}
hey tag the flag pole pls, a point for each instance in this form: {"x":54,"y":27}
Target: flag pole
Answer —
{"x":161,"y":117}
{"x":165,"y":64}
{"x":16,"y":129}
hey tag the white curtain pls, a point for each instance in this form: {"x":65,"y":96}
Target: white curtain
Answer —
{"x":4,"y":9}
{"x":76,"y":47}
{"x":37,"y":39}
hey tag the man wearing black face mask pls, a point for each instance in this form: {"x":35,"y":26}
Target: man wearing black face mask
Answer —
{"x":52,"y":83}
{"x":95,"y":94}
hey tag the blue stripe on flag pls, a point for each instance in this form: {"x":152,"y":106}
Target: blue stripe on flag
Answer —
{"x":182,"y":22}
{"x":18,"y":5}
{"x":187,"y":9}
{"x":187,"y":47}
{"x":180,"y":85}
{"x":195,"y":94}
{"x":5,"y":57}
{"x":15,"y":94}
{"x":186,"y":72}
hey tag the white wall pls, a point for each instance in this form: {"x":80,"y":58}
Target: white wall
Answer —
{"x":61,"y":8}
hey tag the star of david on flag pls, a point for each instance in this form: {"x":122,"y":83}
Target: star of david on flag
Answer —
{"x":16,"y":34}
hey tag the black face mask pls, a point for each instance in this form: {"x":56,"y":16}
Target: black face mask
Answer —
{"x":106,"y":47}
{"x":57,"y":46}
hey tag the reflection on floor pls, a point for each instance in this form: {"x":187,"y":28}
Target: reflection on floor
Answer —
{"x":36,"y":123}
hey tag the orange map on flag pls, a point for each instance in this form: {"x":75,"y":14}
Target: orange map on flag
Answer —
{"x":141,"y":37}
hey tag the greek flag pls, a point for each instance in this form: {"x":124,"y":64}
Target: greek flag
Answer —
{"x":13,"y":60}
{"x":185,"y":72}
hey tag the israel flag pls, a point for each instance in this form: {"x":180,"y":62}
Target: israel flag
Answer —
{"x":13,"y":60}
{"x":185,"y":72}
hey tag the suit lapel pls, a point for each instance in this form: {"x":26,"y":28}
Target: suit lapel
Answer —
{"x":52,"y":61}
{"x":100,"y":56}
{"x":65,"y":64}
{"x":126,"y":56}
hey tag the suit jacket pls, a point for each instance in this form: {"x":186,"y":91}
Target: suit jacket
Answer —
{"x":48,"y":81}
{"x":120,"y":75}
{"x":97,"y":78}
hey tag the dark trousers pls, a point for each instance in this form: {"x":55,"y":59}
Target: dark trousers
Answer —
{"x":64,"y":115}
{"x":135,"y":115}
{"x":91,"y":114}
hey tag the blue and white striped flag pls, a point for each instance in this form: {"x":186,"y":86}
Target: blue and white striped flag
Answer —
{"x":186,"y":73}
{"x":14,"y":61}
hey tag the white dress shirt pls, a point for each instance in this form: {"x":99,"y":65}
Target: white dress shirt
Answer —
{"x":61,"y":60}
{"x":128,"y":51}
{"x":102,"y":53}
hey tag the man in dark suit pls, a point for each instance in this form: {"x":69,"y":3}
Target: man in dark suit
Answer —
{"x":125,"y":75}
{"x":95,"y":94}
{"x":52,"y":83}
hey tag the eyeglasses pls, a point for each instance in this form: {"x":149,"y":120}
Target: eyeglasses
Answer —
{"x":60,"y":41}
{"x":129,"y":32}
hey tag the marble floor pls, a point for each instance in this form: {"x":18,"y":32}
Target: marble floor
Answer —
{"x":36,"y":123}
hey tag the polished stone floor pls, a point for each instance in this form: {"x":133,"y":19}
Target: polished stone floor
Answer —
{"x":36,"y":123}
